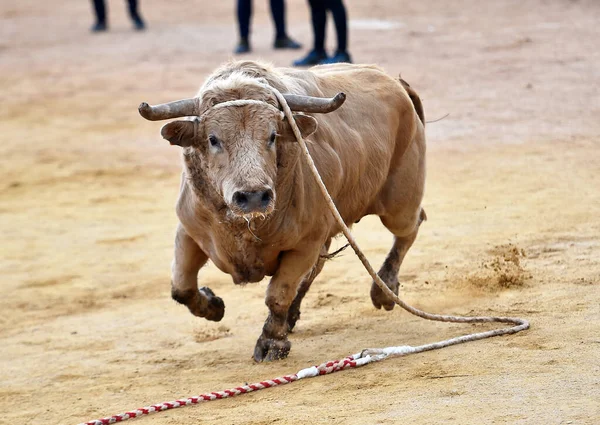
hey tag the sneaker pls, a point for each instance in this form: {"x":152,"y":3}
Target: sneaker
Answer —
{"x":312,"y":58}
{"x":286,"y":43}
{"x":99,"y":27}
{"x":138,"y":24}
{"x":339,"y":57}
{"x":242,"y":47}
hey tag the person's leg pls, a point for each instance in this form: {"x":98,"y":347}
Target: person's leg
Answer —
{"x":282,"y":41}
{"x":100,"y":10}
{"x":278,"y":13}
{"x":341,"y":23}
{"x":135,"y":16}
{"x":318,"y":13}
{"x":244,"y":13}
{"x":341,"y":27}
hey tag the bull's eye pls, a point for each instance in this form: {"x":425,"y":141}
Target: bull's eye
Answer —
{"x":214,"y":142}
{"x":272,"y":138}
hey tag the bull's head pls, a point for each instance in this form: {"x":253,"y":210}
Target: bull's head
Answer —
{"x":233,"y":142}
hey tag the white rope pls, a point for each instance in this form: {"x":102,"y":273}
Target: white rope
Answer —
{"x":246,"y":102}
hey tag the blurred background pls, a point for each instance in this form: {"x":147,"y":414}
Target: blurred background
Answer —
{"x":87,"y":193}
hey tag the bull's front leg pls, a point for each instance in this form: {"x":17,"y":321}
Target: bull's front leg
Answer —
{"x":188,"y":260}
{"x":273,"y":343}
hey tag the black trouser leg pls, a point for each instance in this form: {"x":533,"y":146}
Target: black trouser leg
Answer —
{"x":133,"y":11}
{"x":100,"y":11}
{"x":244,"y":12}
{"x":278,"y":13}
{"x":341,"y":23}
{"x":318,"y":13}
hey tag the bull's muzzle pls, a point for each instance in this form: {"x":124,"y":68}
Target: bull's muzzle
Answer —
{"x":253,"y":201}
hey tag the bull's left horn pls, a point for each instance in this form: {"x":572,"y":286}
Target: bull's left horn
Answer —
{"x":165,"y":111}
{"x":313,"y":104}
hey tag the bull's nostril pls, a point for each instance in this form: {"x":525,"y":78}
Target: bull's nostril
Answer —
{"x":240,"y":198}
{"x":266,"y":197}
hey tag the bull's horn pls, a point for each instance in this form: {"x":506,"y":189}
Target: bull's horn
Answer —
{"x":321,"y":105}
{"x":165,"y":111}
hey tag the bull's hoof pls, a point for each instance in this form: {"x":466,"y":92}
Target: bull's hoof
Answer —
{"x":379,"y":299}
{"x":215,"y":310}
{"x":268,"y":349}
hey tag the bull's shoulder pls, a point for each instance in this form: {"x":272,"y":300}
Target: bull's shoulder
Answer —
{"x":194,"y":207}
{"x":185,"y":205}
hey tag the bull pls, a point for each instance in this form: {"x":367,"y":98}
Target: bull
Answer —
{"x":247,"y":201}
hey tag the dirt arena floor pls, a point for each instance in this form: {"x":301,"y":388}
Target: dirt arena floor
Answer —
{"x":87,"y":193}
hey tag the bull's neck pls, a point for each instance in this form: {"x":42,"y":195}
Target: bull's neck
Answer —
{"x":289,"y":175}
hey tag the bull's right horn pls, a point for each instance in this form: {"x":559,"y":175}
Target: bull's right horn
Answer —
{"x":165,"y":111}
{"x":313,"y":104}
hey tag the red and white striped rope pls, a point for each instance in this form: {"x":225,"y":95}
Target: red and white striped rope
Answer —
{"x":217,"y":395}
{"x":355,"y":360}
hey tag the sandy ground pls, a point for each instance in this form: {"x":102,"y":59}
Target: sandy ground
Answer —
{"x":87,"y":326}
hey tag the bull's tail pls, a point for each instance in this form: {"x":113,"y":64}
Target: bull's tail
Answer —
{"x":416,"y":100}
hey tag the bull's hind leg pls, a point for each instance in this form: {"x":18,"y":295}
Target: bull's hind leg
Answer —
{"x":189,"y":258}
{"x":294,"y":312}
{"x":391,"y":266}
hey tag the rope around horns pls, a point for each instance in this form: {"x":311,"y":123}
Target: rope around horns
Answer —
{"x":365,"y":357}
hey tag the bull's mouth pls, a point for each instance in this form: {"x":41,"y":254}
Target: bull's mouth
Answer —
{"x":250,"y":215}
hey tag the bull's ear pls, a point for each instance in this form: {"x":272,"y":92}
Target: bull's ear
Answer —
{"x":179,"y":133}
{"x":307,"y":124}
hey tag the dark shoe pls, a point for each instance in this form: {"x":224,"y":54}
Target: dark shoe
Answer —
{"x":242,"y":47}
{"x":339,"y":57}
{"x":312,"y":58}
{"x":138,"y":24}
{"x":99,"y":27}
{"x":286,"y":43}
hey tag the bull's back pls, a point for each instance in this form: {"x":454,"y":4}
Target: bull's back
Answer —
{"x":355,"y":146}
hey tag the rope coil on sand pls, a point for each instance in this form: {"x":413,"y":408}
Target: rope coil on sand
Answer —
{"x":370,"y":355}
